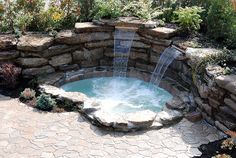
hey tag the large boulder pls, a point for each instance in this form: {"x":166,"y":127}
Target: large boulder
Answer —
{"x":34,"y":42}
{"x":32,"y":62}
{"x":60,"y":60}
{"x":227,"y":82}
{"x":70,"y":37}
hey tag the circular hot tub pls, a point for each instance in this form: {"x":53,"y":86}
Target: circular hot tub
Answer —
{"x":121,"y":95}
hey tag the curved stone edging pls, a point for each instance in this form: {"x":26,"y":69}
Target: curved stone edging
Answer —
{"x":92,"y":110}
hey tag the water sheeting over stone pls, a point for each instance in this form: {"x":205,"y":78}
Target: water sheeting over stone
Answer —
{"x":122,"y":43}
{"x":165,"y":60}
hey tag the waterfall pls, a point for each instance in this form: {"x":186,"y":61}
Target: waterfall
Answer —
{"x":123,"y":40}
{"x":165,"y":60}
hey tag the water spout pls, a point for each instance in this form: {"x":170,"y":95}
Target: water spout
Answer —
{"x":123,"y":40}
{"x":165,"y":60}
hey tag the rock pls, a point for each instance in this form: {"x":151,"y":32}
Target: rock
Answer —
{"x":193,"y":116}
{"x":105,"y":118}
{"x":208,"y":119}
{"x":87,"y":64}
{"x":207,"y":108}
{"x":60,"y":60}
{"x":99,"y":44}
{"x":169,"y":116}
{"x":141,"y":119}
{"x":89,"y":55}
{"x":154,"y":57}
{"x":214,"y":70}
{"x":32,"y":62}
{"x":67,"y":67}
{"x":70,"y":37}
{"x":75,"y":97}
{"x":226,"y":120}
{"x":34,"y":42}
{"x":227,"y":82}
{"x":176,"y":103}
{"x":59,"y":49}
{"x":228,"y":111}
{"x":149,"y":68}
{"x":156,"y":124}
{"x":91,"y":106}
{"x":49,"y":89}
{"x":158,"y":49}
{"x":221,"y":126}
{"x":230,"y":103}
{"x":203,"y":89}
{"x":7,"y":41}
{"x":8,"y":55}
{"x":233,"y":97}
{"x":137,"y":44}
{"x":38,"y":71}
{"x":214,"y":103}
{"x":138,"y":55}
{"x":90,"y":27}
{"x":50,"y":79}
{"x":126,"y":22}
{"x":196,"y":55}
{"x":161,"y":32}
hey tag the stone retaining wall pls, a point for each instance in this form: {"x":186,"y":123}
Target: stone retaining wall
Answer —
{"x":90,"y":45}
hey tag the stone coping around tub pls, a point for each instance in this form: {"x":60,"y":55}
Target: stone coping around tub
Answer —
{"x":92,"y":110}
{"x":174,"y":110}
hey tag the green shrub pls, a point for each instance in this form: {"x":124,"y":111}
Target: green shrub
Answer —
{"x":85,"y":10}
{"x":219,"y":19}
{"x":144,"y":9}
{"x":107,"y":9}
{"x":45,"y":102}
{"x":189,"y":18}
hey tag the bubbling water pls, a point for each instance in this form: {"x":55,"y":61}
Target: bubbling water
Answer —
{"x":121,"y":95}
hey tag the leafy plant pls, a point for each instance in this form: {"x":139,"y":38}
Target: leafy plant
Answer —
{"x":45,"y":102}
{"x":107,"y":9}
{"x":221,"y":21}
{"x":85,"y":9}
{"x":144,"y":9}
{"x":27,"y":94}
{"x":199,"y":69}
{"x":189,"y":18}
{"x":10,"y":74}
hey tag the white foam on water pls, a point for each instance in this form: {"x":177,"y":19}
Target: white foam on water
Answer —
{"x":122,"y":95}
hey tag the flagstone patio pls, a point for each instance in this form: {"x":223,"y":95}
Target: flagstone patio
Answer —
{"x":27,"y":133}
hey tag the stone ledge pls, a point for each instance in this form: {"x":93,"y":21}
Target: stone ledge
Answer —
{"x":8,"y":55}
{"x":196,"y":55}
{"x":34,"y":42}
{"x":38,"y":71}
{"x":227,"y":82}
{"x":90,"y":27}
{"x":32,"y":62}
{"x":7,"y":41}
{"x":70,"y":37}
{"x":126,"y":22}
{"x":161,"y":32}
